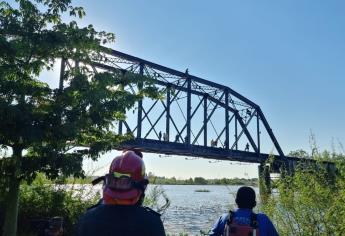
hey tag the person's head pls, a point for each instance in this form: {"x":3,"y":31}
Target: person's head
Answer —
{"x":126,"y":182}
{"x":245,"y":197}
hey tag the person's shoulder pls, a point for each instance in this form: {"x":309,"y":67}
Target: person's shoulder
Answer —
{"x":89,"y":217}
{"x":91,"y":211}
{"x":223,"y":218}
{"x":152,"y":223}
{"x":267,"y":225}
{"x":149,"y":218}
{"x":94,"y":207}
{"x":263,"y":216}
{"x":151,"y":212}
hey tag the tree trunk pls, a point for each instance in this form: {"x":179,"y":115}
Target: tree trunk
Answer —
{"x":12,"y":199}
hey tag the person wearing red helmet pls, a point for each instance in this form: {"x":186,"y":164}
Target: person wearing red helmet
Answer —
{"x":121,"y":212}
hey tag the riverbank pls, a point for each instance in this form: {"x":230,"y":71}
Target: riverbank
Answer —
{"x":202,"y":181}
{"x":161,"y":180}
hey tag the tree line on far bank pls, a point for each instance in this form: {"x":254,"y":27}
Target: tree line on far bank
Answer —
{"x":201,"y":181}
{"x":162,"y":180}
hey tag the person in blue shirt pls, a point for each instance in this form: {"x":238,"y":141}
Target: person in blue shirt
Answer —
{"x":245,"y":200}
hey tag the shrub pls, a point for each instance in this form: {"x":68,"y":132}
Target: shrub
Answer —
{"x":157,"y":199}
{"x":42,"y":200}
{"x":310,"y":202}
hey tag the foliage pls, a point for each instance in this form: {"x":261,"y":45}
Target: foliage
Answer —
{"x":157,"y":199}
{"x":311,"y":201}
{"x":69,"y":199}
{"x":50,"y":200}
{"x":299,"y":153}
{"x":43,"y":126}
{"x":161,"y":180}
{"x":201,"y":181}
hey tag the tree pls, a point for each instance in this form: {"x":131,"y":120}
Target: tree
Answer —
{"x":200,"y":181}
{"x":42,"y":126}
{"x":299,"y":153}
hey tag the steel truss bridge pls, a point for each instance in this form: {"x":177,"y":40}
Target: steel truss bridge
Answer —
{"x":196,"y":117}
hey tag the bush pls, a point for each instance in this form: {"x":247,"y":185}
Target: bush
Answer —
{"x":42,"y":200}
{"x":157,"y":199}
{"x":310,"y":202}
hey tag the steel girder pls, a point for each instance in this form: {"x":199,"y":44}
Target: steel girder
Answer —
{"x":210,"y":97}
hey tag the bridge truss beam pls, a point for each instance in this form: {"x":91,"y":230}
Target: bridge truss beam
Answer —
{"x":198,"y":117}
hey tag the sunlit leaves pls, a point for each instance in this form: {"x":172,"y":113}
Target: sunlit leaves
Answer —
{"x":46,"y":128}
{"x":311,"y":201}
{"x":33,"y":39}
{"x":59,"y":127}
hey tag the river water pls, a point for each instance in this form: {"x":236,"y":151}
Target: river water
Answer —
{"x":191,"y":211}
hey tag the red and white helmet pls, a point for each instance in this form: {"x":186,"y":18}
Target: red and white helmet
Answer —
{"x":126,"y":181}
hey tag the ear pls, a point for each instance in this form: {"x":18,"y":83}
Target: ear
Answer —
{"x":254,"y":204}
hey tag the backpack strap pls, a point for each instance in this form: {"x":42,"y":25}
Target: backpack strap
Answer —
{"x":228,"y":222}
{"x":230,"y":218}
{"x":254,"y":221}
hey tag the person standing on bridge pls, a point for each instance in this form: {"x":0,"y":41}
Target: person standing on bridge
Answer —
{"x":244,"y":221}
{"x":120,"y":213}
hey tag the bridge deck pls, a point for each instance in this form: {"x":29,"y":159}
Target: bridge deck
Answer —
{"x":181,"y":149}
{"x":214,"y":153}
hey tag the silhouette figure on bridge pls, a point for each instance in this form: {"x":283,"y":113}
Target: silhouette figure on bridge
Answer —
{"x":177,"y":138}
{"x":214,"y":143}
{"x":247,"y":147}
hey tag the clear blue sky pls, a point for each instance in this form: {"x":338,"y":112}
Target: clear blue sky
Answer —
{"x":286,"y":56}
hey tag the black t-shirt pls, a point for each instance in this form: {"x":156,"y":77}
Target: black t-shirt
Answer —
{"x":116,"y":220}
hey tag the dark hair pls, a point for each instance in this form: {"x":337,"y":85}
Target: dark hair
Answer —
{"x":245,"y":197}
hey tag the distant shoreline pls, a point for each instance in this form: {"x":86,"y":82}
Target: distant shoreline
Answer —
{"x":202,"y":181}
{"x":252,"y":185}
{"x":161,"y":180}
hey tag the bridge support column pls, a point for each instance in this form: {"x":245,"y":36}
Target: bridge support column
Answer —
{"x":226,"y":120}
{"x":189,"y":108}
{"x":264,"y":182}
{"x":140,"y":104}
{"x":167,"y":120}
{"x":205,"y":120}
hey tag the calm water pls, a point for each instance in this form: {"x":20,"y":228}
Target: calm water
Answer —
{"x":192,"y":211}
